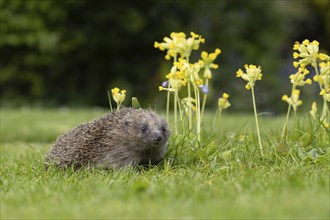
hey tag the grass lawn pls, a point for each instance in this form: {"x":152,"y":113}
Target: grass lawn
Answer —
{"x":222,"y":177}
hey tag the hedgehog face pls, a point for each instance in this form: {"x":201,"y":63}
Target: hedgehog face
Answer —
{"x":154,"y":133}
{"x":151,"y":130}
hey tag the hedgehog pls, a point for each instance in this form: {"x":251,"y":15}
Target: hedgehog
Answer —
{"x":121,"y":138}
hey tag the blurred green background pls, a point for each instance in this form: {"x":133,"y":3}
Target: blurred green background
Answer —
{"x":70,"y":52}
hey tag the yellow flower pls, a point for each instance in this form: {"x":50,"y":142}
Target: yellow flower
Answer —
{"x":173,"y":45}
{"x":324,"y":77}
{"x":295,"y":55}
{"x":296,"y":45}
{"x":192,"y":43}
{"x":180,"y":74}
{"x":253,"y":73}
{"x":193,"y":73}
{"x":325,"y":94}
{"x":118,"y":95}
{"x":176,"y":84}
{"x":307,"y":51}
{"x":188,"y":72}
{"x":182,"y":64}
{"x":223,"y":102}
{"x":285,"y":97}
{"x":313,"y":111}
{"x":293,"y":100}
{"x":239,"y":73}
{"x":178,"y":44}
{"x":295,"y":64}
{"x":298,"y":79}
{"x":324,"y":57}
{"x":189,"y":103}
{"x":207,"y":62}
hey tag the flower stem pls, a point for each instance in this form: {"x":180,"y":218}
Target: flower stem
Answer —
{"x":168,"y":104}
{"x":189,"y":98}
{"x":204,"y":99}
{"x":198,"y":113}
{"x":175,"y":114}
{"x":118,"y":105}
{"x":220,"y":111}
{"x":257,"y":124}
{"x":216,"y":116}
{"x":169,"y":96}
{"x":317,"y":72}
{"x":109,"y":98}
{"x":180,"y":109}
{"x":285,"y":128}
{"x":325,"y":109}
{"x":189,"y":108}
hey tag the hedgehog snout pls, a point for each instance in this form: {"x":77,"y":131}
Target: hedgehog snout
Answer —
{"x":158,"y":139}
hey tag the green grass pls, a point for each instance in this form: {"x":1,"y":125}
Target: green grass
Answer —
{"x":221,"y":177}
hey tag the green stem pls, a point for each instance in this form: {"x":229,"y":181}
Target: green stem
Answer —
{"x":189,"y":107}
{"x":175,"y":114}
{"x":169,"y":96}
{"x":204,"y":99}
{"x":220,"y":122}
{"x":317,"y":72}
{"x":325,"y":109}
{"x":256,"y":118}
{"x":296,"y":119}
{"x":198,"y":112}
{"x":217,"y":117}
{"x":109,"y":98}
{"x":168,"y":106}
{"x":189,"y":98}
{"x":285,"y":128}
{"x":180,"y":109}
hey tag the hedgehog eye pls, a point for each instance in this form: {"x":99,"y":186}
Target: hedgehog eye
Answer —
{"x":144,"y":129}
{"x":163,"y":129}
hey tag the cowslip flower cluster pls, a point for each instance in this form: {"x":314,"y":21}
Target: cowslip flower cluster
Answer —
{"x":253,"y":73}
{"x":298,"y":79}
{"x":294,"y":100}
{"x":307,"y":52}
{"x":186,"y":74}
{"x":178,"y":44}
{"x":324,"y":79}
{"x":223,"y":102}
{"x":118,"y":95}
{"x":207,"y":62}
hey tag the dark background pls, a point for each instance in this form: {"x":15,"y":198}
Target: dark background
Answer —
{"x":70,"y":52}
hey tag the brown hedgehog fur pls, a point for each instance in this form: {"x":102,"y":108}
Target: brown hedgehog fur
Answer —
{"x":125,"y":137}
